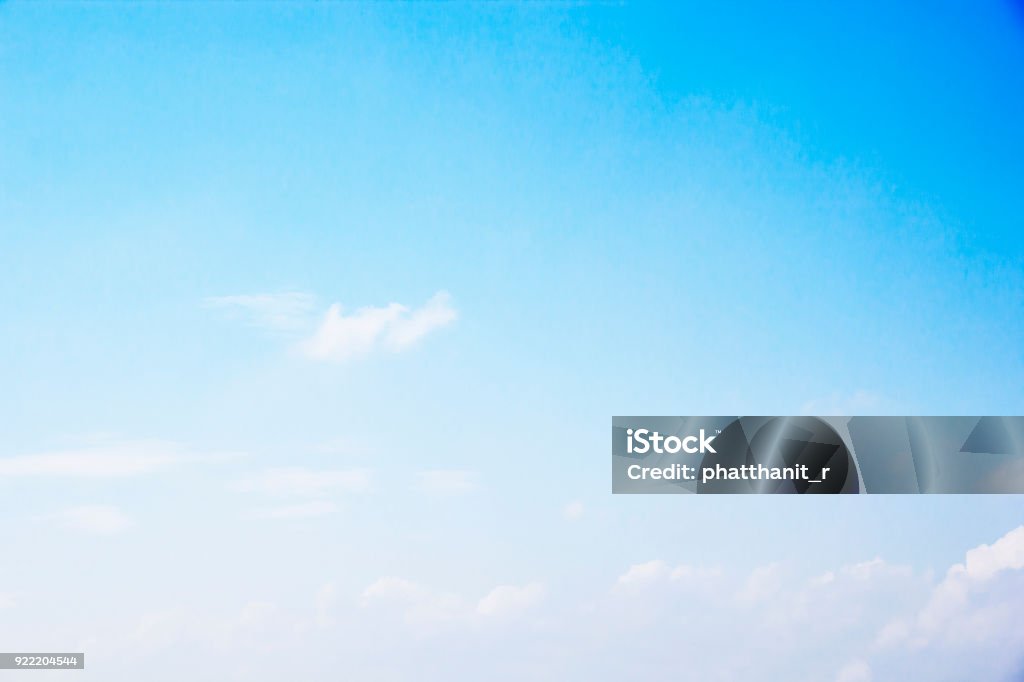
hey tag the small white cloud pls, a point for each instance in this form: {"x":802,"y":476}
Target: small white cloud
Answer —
{"x":855,"y":671}
{"x":447,"y":481}
{"x":826,"y":578}
{"x":6,"y":600}
{"x":509,"y":600}
{"x":300,"y":482}
{"x":323,"y":605}
{"x":893,"y":633}
{"x":391,"y":588}
{"x":573,"y":511}
{"x":658,"y":571}
{"x":160,"y":628}
{"x":408,"y":329}
{"x":685,"y":573}
{"x":98,"y":519}
{"x":257,"y":615}
{"x":305,"y":510}
{"x":876,"y":568}
{"x":342,"y":445}
{"x":762,"y":583}
{"x":103,"y":460}
{"x":394,"y":327}
{"x":290,"y":311}
{"x":419,"y":607}
{"x":341,"y":337}
{"x":640,"y":574}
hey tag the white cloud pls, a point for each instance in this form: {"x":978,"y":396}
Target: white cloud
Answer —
{"x":418,"y":607}
{"x":893,"y":633}
{"x":303,"y":510}
{"x":507,"y":600}
{"x":391,"y":588}
{"x":875,"y":568}
{"x":257,"y":614}
{"x":341,"y":337}
{"x":6,"y":600}
{"x":826,"y":578}
{"x":323,"y":605}
{"x":424,"y":608}
{"x":103,"y":460}
{"x":393,"y":327}
{"x":762,"y":583}
{"x":959,"y":596}
{"x":97,"y":519}
{"x":290,"y":311}
{"x":640,"y":574}
{"x":434,"y":314}
{"x":573,"y":511}
{"x":708,"y":607}
{"x":969,"y":624}
{"x":855,"y":671}
{"x":301,"y":482}
{"x":822,"y":628}
{"x":659,"y":571}
{"x":1006,"y":553}
{"x":686,"y":573}
{"x":159,"y":628}
{"x":447,"y":481}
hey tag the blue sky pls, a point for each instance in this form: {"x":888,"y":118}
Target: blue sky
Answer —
{"x":579,"y":211}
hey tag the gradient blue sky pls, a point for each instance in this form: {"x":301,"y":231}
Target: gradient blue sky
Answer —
{"x":635,"y":209}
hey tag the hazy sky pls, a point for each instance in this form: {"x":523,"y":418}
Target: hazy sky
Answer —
{"x":315,"y":317}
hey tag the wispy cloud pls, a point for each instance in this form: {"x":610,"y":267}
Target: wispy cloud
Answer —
{"x":418,"y":606}
{"x":339,"y":336}
{"x":301,"y":482}
{"x":573,"y":511}
{"x":855,"y":671}
{"x":421,"y":606}
{"x":976,"y":639}
{"x":393,"y":327}
{"x":303,"y":510}
{"x":659,"y":571}
{"x":98,"y":519}
{"x":289,"y":311}
{"x":763,"y":583}
{"x":323,"y":604}
{"x":308,"y":485}
{"x":639,"y":574}
{"x":509,"y":600}
{"x":391,"y":587}
{"x":447,"y":481}
{"x":111,"y":459}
